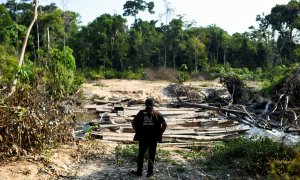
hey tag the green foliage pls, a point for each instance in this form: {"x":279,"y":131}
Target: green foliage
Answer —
{"x":276,"y":76}
{"x":196,"y":152}
{"x":61,"y":65}
{"x":5,"y":21}
{"x":79,"y":79}
{"x":254,"y":156}
{"x":132,"y":7}
{"x":129,"y":152}
{"x":110,"y":74}
{"x":8,"y":65}
{"x":182,"y":76}
{"x":131,"y":75}
{"x":284,"y":169}
{"x":113,"y":74}
{"x":91,"y":74}
{"x":242,"y":73}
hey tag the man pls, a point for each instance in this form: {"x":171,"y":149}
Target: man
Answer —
{"x":149,"y":125}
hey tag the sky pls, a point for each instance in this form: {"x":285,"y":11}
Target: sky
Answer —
{"x":231,"y":15}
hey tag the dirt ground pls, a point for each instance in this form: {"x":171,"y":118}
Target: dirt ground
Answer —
{"x":121,"y":89}
{"x":97,"y":160}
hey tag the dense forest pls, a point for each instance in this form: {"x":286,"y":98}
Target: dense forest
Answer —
{"x":107,"y":43}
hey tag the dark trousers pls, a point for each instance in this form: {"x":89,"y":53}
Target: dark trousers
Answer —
{"x":143,"y":146}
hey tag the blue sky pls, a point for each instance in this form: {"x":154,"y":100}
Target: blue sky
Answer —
{"x":231,"y":15}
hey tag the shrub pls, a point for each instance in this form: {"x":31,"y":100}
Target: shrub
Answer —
{"x":110,"y":74}
{"x":243,"y":73}
{"x":182,"y":77}
{"x":61,"y":65}
{"x":254,"y":156}
{"x":277,"y":76}
{"x":91,"y":74}
{"x":129,"y":74}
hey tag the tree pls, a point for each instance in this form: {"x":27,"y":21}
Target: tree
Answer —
{"x":198,"y":47}
{"x":5,"y":22}
{"x":132,"y":8}
{"x":176,"y":37}
{"x":21,"y":59}
{"x":168,"y":13}
{"x":97,"y":43}
{"x":144,"y":44}
{"x":286,"y":21}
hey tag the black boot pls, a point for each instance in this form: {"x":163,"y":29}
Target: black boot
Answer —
{"x":136,"y":173}
{"x":150,"y":173}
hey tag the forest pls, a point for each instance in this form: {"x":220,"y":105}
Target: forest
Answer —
{"x":107,"y":43}
{"x":46,"y":55}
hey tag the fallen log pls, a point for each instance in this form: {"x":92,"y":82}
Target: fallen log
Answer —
{"x":210,"y":107}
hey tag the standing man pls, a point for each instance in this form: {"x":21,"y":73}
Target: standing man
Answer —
{"x":149,"y":125}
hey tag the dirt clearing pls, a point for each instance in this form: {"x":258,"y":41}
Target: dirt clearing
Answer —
{"x":98,"y":159}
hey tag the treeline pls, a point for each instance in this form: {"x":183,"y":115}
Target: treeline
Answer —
{"x":108,"y":43}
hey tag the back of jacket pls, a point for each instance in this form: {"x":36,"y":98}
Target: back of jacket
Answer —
{"x":148,"y":126}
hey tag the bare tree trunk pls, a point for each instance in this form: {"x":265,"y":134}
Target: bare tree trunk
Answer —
{"x":218,"y":48}
{"x":48,"y":39}
{"x":38,"y":40}
{"x":224,"y":58}
{"x":165,"y":56}
{"x":174,"y":59}
{"x":21,"y":58}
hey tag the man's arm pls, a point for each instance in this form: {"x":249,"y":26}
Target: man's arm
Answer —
{"x":133,"y":124}
{"x":134,"y":121}
{"x":163,"y":123}
{"x":163,"y":127}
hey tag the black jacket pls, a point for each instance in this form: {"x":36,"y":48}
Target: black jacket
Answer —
{"x":148,"y":126}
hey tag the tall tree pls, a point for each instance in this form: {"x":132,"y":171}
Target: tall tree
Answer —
{"x":176,"y":37}
{"x":5,"y":22}
{"x":21,"y":59}
{"x":132,"y":8}
{"x":286,"y":21}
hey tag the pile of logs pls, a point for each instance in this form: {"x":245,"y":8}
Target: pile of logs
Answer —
{"x":186,"y":126}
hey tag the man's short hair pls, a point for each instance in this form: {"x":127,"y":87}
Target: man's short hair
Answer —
{"x":149,"y":102}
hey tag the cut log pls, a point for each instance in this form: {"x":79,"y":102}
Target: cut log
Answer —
{"x":100,"y":102}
